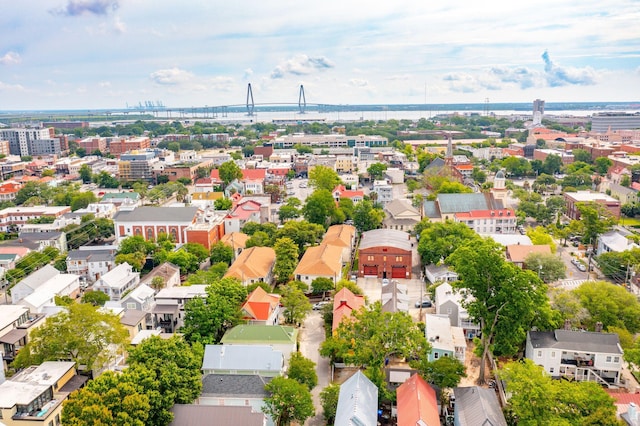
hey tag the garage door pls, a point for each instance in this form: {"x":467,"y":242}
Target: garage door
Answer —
{"x":370,"y":270}
{"x":399,"y":272}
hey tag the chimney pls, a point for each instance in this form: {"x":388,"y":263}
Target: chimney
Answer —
{"x":567,"y":324}
{"x":632,"y":412}
{"x":598,"y":327}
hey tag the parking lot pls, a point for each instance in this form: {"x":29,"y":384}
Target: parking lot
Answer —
{"x":416,"y":291}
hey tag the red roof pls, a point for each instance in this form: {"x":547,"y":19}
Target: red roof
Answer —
{"x":344,"y":302}
{"x":245,"y":210}
{"x":486,"y":214}
{"x":215,"y":176}
{"x":345,"y":193}
{"x":260,"y":305}
{"x":254,"y":174}
{"x":417,"y":403}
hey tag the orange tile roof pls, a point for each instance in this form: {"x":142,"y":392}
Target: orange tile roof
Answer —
{"x":235,"y":239}
{"x":260,"y":305}
{"x":254,"y":174}
{"x":339,"y":235}
{"x":518,"y":253}
{"x":325,"y":260}
{"x":417,"y":403}
{"x":345,"y":302}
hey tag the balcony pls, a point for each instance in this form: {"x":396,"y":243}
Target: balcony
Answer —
{"x":39,"y":414}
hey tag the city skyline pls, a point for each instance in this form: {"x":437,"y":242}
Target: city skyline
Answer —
{"x":70,"y":54}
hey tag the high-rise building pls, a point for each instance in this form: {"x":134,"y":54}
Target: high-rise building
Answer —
{"x":538,"y":111}
{"x":606,"y":121}
{"x":20,"y":139}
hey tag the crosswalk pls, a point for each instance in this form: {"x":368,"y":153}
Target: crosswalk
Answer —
{"x":568,"y":284}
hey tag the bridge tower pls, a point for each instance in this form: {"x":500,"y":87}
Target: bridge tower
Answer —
{"x":250,"y":104}
{"x":302,"y":101}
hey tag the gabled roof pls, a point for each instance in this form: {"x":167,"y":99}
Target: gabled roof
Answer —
{"x":583,"y":341}
{"x":254,"y":174}
{"x":357,"y":402}
{"x":401,"y":209}
{"x":234,"y":385}
{"x":260,"y":334}
{"x":417,"y":403}
{"x":456,"y":203}
{"x":345,"y":302}
{"x":244,"y":210}
{"x":324,"y":260}
{"x":140,"y":294}
{"x":518,"y":253}
{"x":202,"y":415}
{"x":157,"y":214}
{"x":385,"y":238}
{"x":476,"y":406}
{"x":39,"y":277}
{"x":260,"y":305}
{"x":235,"y":239}
{"x":339,"y":235}
{"x":252,"y":263}
{"x":132,"y":317}
{"x":261,"y":358}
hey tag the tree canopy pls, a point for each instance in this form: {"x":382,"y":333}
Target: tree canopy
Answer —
{"x":288,"y":401}
{"x":439,"y":239}
{"x":323,"y":177}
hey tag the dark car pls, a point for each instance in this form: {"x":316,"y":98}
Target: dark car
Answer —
{"x":423,"y":304}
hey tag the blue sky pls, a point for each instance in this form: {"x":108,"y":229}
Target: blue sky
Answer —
{"x":106,"y":53}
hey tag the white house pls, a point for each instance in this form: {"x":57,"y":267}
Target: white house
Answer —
{"x":91,"y":264}
{"x":449,"y":302}
{"x":577,"y":355}
{"x":59,"y":285}
{"x":29,"y":284}
{"x":616,"y":241}
{"x":383,"y":190}
{"x":442,"y":273}
{"x":445,"y":339}
{"x":118,"y":281}
{"x":243,"y":359}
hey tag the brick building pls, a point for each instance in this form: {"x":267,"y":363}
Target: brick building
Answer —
{"x":122,"y":145}
{"x":385,"y":253}
{"x":573,"y":200}
{"x":151,"y":221}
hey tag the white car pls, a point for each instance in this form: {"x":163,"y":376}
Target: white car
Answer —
{"x":385,"y":281}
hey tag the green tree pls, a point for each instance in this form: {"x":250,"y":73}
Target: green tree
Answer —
{"x":287,"y":212}
{"x":303,"y":233}
{"x":135,"y":244}
{"x":322,"y":285}
{"x":222,"y":204}
{"x":286,"y":259}
{"x":581,"y":155}
{"x":109,"y":399}
{"x":323,"y":178}
{"x":439,"y":239}
{"x":602,"y":165}
{"x":259,"y":239}
{"x":540,"y":236}
{"x":595,"y":220}
{"x":157,"y":283}
{"x":376,"y":171}
{"x":552,"y":164}
{"x":198,"y":250}
{"x":302,"y":370}
{"x":65,"y":336}
{"x":321,"y":208}
{"x":288,"y":401}
{"x":444,"y":372}
{"x":347,"y":206}
{"x":229,"y":171}
{"x":506,"y":301}
{"x":295,"y":303}
{"x":351,"y":286}
{"x":549,"y":267}
{"x":367,"y":217}
{"x":136,"y":260}
{"x":95,"y":297}
{"x":329,"y":400}
{"x":207,"y":319}
{"x":537,"y":399}
{"x":610,"y":304}
{"x":86,"y":174}
{"x":82,"y":200}
{"x":176,"y":374}
{"x":221,"y":252}
{"x":453,"y":188}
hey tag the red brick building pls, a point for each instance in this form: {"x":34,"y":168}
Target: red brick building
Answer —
{"x":573,"y":200}
{"x":385,"y":253}
{"x":120,"y":146}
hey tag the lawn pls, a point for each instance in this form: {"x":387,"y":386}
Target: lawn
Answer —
{"x":632,"y":222}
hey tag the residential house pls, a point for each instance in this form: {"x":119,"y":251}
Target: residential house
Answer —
{"x":343,"y":236}
{"x":203,"y":415}
{"x":400,"y":215}
{"x":451,"y":303}
{"x":260,"y":360}
{"x":34,"y":396}
{"x":233,"y":390}
{"x":141,"y":298}
{"x":476,"y":406}
{"x":499,"y":221}
{"x":122,"y":199}
{"x":341,"y":192}
{"x":44,"y":239}
{"x":13,"y":218}
{"x":323,"y":261}
{"x":90,"y":264}
{"x":245,"y":211}
{"x":385,"y":253}
{"x":279,"y":337}
{"x":117,"y":282}
{"x":205,"y":199}
{"x":261,"y":307}
{"x":395,"y":297}
{"x":417,"y":403}
{"x":253,"y":180}
{"x":169,"y":273}
{"x":169,"y":310}
{"x":383,"y":190}
{"x":237,"y":241}
{"x":444,"y":338}
{"x":357,"y":402}
{"x":16,"y":322}
{"x":8,"y":190}
{"x":439,"y":273}
{"x":134,"y":321}
{"x":149,"y":222}
{"x":616,"y":240}
{"x":253,"y":265}
{"x":624,"y":194}
{"x":59,"y":285}
{"x":31,"y":283}
{"x":517,"y":254}
{"x":577,"y":355}
{"x":344,"y":303}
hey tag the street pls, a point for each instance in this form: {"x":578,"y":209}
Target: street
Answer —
{"x":312,"y":336}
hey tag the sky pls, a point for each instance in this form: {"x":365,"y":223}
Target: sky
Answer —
{"x":101,"y":54}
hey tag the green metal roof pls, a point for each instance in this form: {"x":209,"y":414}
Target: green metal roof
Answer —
{"x":250,"y":333}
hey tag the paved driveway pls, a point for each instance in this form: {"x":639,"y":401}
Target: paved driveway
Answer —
{"x":312,"y":336}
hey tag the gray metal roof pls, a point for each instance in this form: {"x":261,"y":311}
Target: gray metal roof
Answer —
{"x":92,"y":255}
{"x":357,"y":402}
{"x":157,"y":214}
{"x":242,"y":357}
{"x":583,"y":341}
{"x":456,"y":203}
{"x":430,"y":209}
{"x":211,"y":415}
{"x":385,"y":237}
{"x":235,"y":385}
{"x":476,"y":406}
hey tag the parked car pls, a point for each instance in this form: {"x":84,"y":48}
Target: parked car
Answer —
{"x":426,"y":303}
{"x":320,"y":305}
{"x":385,"y":281}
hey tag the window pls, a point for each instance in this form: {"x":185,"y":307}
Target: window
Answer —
{"x":436,"y":355}
{"x":539,"y":354}
{"x":370,"y":258}
{"x":131,"y":305}
{"x":398,"y":258}
{"x":609,"y":359}
{"x":616,"y":359}
{"x":551,"y":370}
{"x":57,"y":419}
{"x":553,"y":354}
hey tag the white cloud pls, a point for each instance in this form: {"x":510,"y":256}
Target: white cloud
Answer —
{"x":301,"y":65}
{"x":10,"y":58}
{"x":358,"y":82}
{"x":11,"y":87}
{"x":104,"y":84}
{"x":171,"y":76}
{"x":119,"y":26}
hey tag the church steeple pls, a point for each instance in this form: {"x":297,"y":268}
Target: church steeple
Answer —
{"x":448,"y":159}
